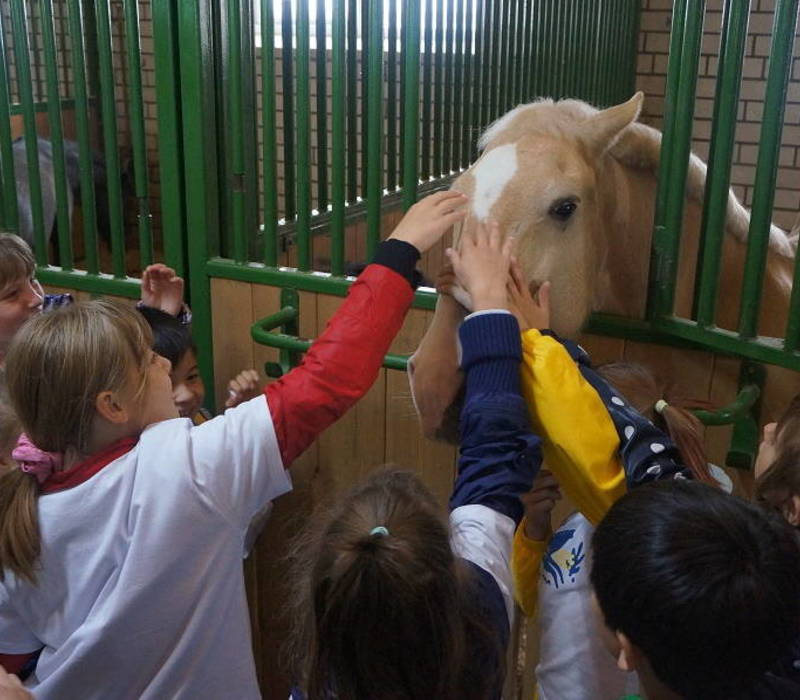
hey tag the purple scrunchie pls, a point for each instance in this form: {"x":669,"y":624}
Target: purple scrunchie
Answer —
{"x":34,"y":461}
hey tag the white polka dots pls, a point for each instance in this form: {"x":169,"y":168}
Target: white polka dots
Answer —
{"x":656,"y":447}
{"x":617,"y":400}
{"x":655,"y":470}
{"x":629,"y":430}
{"x":680,"y":476}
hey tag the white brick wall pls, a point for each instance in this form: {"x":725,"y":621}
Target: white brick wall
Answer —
{"x":651,"y":78}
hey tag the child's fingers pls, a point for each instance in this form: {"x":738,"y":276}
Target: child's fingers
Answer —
{"x":543,"y":296}
{"x":508,"y":244}
{"x":444,"y":196}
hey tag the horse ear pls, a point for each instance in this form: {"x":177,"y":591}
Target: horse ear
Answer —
{"x":601,"y":130}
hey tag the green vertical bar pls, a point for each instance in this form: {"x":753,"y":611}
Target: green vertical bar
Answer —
{"x":108,"y":107}
{"x":485,"y":82}
{"x":478,"y":72}
{"x":504,"y":100}
{"x":494,"y":72}
{"x":138,"y":141}
{"x":779,"y":73}
{"x":460,"y":88}
{"x":338,"y":79}
{"x":411,"y":22}
{"x":723,"y":132}
{"x":199,"y":148}
{"x":352,"y":101}
{"x":88,"y":211}
{"x":56,"y":136}
{"x":374,"y":126}
{"x":447,"y":117}
{"x":364,"y":95}
{"x":322,"y":108}
{"x":287,"y":55}
{"x":7,"y":178}
{"x":24,"y":83}
{"x":438,"y":90}
{"x":303,"y":230}
{"x":170,"y":153}
{"x":468,"y":92}
{"x":532,"y":60}
{"x":236,"y":130}
{"x":427,"y":90}
{"x":586,"y":29}
{"x":523,"y":50}
{"x":268,"y":133}
{"x":687,"y":31}
{"x":392,"y":100}
{"x":519,"y":51}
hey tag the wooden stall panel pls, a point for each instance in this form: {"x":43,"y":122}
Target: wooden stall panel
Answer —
{"x":232,"y":315}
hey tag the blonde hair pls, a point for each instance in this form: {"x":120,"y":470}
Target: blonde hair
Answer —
{"x":781,"y":479}
{"x":55,"y":368}
{"x":16,"y":259}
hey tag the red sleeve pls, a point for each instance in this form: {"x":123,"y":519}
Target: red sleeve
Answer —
{"x":343,"y":362}
{"x":14,"y":663}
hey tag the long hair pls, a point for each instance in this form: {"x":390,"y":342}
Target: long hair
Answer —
{"x":16,"y":259}
{"x":781,"y":479}
{"x":55,"y":368}
{"x":387,"y":616}
{"x":643,"y":389}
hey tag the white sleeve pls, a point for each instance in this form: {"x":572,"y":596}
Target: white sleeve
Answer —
{"x":484,"y":537}
{"x":15,"y":637}
{"x":236,"y":463}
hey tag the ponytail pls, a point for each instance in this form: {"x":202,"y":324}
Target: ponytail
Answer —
{"x":19,"y":525}
{"x":686,"y":432}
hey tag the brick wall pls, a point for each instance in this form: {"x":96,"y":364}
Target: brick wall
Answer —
{"x":651,"y":78}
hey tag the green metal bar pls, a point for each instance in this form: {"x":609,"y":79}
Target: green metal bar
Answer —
{"x":269,"y":133}
{"x":792,"y":339}
{"x":493,"y":40}
{"x":468,"y":92}
{"x":633,"y":48}
{"x":338,"y":78}
{"x":533,"y":59}
{"x":427,"y":91}
{"x":24,"y":84}
{"x":391,"y":100}
{"x":8,"y":195}
{"x":236,"y":130}
{"x":56,"y":136}
{"x":438,"y":90}
{"x":374,"y":189}
{"x":322,"y":108}
{"x":303,"y":140}
{"x":523,"y":50}
{"x":108,"y":108}
{"x":195,"y":48}
{"x":352,"y":101}
{"x":138,"y":140}
{"x":447,"y":117}
{"x":687,"y":28}
{"x":744,"y":401}
{"x":365,"y":13}
{"x":779,"y":73}
{"x":287,"y":55}
{"x":505,"y":58}
{"x":101,"y":283}
{"x":712,"y":229}
{"x":411,"y":29}
{"x":585,"y":29}
{"x":459,"y":88}
{"x":547,"y":43}
{"x":88,"y":210}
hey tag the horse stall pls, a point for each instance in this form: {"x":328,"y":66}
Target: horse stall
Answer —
{"x":263,"y":148}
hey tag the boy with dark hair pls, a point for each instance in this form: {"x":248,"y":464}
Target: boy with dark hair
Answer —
{"x":700,"y":591}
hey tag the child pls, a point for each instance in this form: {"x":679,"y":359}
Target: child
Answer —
{"x":391,"y":604}
{"x":699,"y":590}
{"x":551,"y":570}
{"x":173,"y":340}
{"x":121,"y":541}
{"x":21,"y":295}
{"x":777,"y":467}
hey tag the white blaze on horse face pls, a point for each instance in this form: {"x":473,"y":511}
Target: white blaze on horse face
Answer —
{"x":492,"y":173}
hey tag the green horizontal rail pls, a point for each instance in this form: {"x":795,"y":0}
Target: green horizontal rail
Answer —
{"x":745,"y":400}
{"x":100,"y":283}
{"x":17,"y":108}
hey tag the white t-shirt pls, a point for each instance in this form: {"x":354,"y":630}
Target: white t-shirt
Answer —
{"x":140,"y":591}
{"x":573,"y":662}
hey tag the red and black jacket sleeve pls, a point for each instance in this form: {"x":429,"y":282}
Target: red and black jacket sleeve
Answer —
{"x":343,"y":363}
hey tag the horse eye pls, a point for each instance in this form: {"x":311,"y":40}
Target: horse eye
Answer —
{"x":563,"y":209}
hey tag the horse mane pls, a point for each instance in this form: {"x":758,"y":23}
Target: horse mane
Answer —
{"x":638,"y":146}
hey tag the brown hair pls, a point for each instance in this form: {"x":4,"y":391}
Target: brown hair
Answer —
{"x":781,"y":479}
{"x":643,"y":389}
{"x":55,"y":368}
{"x":387,"y":616}
{"x":16,"y":259}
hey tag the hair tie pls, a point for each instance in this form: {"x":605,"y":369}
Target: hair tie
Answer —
{"x":380,"y":530}
{"x":660,"y":406}
{"x":34,"y":461}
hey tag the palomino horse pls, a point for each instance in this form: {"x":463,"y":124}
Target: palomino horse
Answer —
{"x":576,"y":187}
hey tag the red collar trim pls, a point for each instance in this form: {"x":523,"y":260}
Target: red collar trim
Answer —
{"x":85,"y":470}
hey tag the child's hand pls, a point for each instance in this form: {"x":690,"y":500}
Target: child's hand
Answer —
{"x":245,"y":386}
{"x":481,"y":266}
{"x":530,"y":312}
{"x":539,"y":503}
{"x":162,"y":289}
{"x":426,"y":222}
{"x":11,"y":687}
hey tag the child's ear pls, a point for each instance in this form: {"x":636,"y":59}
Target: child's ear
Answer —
{"x":628,"y":656}
{"x":791,"y":510}
{"x":111,"y":408}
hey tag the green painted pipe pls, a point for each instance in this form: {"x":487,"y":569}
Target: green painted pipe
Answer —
{"x":411,"y":22}
{"x":438,"y":91}
{"x":468,"y":90}
{"x":303,"y":139}
{"x":321,"y":83}
{"x":9,"y":216}
{"x":352,"y":102}
{"x":427,"y":92}
{"x":338,"y":79}
{"x":287,"y":63}
{"x":374,"y":191}
{"x":268,"y":134}
{"x":392,"y":99}
{"x":236,"y":130}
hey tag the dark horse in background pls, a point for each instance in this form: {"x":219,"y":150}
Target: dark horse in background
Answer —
{"x":48,"y":180}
